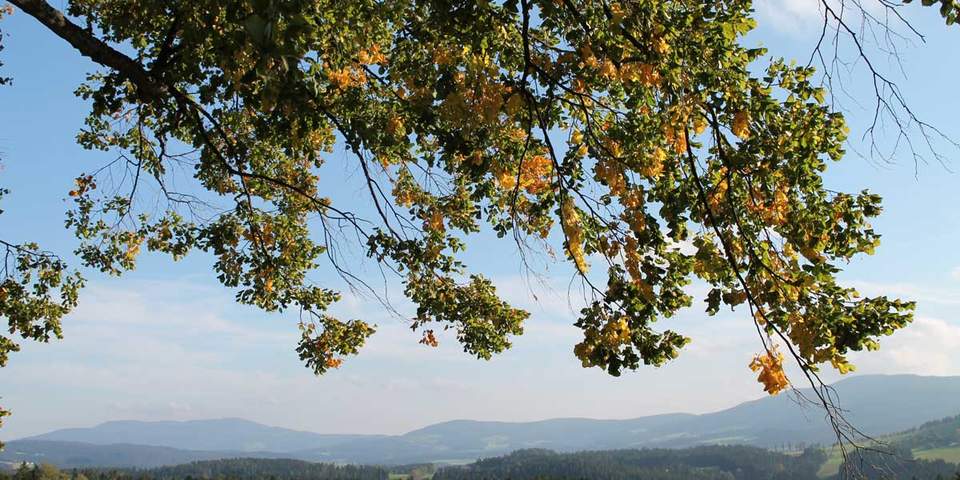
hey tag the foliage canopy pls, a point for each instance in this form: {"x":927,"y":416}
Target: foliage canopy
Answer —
{"x":643,"y":132}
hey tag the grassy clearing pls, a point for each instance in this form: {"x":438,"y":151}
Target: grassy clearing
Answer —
{"x":947,"y":454}
{"x":407,"y":476}
{"x":832,"y":466}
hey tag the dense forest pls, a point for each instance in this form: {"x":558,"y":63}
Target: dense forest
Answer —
{"x":275,"y":469}
{"x":229,"y":469}
{"x":700,"y":463}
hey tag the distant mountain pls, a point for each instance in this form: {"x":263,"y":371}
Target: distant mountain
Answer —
{"x":876,"y":404}
{"x":464,"y":440}
{"x":232,"y":434}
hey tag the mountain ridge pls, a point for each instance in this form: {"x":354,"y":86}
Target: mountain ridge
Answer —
{"x":845,"y":381}
{"x":877,"y":404}
{"x":233,"y":434}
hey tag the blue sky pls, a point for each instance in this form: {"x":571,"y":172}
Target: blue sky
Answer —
{"x":167,"y":342}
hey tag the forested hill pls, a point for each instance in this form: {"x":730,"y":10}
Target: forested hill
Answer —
{"x":699,"y":463}
{"x":926,"y":451}
{"x":940,"y":434}
{"x":895,"y":464}
{"x":223,"y":434}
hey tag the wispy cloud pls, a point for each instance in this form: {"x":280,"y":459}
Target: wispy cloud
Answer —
{"x":955,"y":274}
{"x":948,"y":295}
{"x":178,"y":350}
{"x":790,"y":16}
{"x":806,"y":17}
{"x":930,"y":346}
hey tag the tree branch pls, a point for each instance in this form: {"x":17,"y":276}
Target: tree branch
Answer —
{"x":91,"y":46}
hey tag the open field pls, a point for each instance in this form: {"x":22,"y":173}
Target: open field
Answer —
{"x":832,"y":465}
{"x":948,"y":454}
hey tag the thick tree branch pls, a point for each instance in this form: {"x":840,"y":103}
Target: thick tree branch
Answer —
{"x":90,"y":46}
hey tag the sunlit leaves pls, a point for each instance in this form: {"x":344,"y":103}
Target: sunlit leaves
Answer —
{"x":323,"y":344}
{"x":3,"y":413}
{"x":573,"y":230}
{"x":36,"y":290}
{"x":770,"y":368}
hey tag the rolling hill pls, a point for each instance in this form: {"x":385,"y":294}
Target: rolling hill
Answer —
{"x":934,"y":440}
{"x":232,"y":434}
{"x":878,"y":405}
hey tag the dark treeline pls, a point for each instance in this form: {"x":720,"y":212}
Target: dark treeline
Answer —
{"x":257,"y":468}
{"x":897,"y":464}
{"x":228,"y":469}
{"x":700,"y":463}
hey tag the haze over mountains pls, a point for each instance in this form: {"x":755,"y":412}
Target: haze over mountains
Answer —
{"x":220,"y":434}
{"x":876,"y":404}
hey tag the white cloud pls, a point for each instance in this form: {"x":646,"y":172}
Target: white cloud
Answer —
{"x":790,"y":16}
{"x":166,"y":350}
{"x":929,"y":346}
{"x":178,"y":350}
{"x":805,"y":17}
{"x":955,"y":274}
{"x":943,"y":295}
